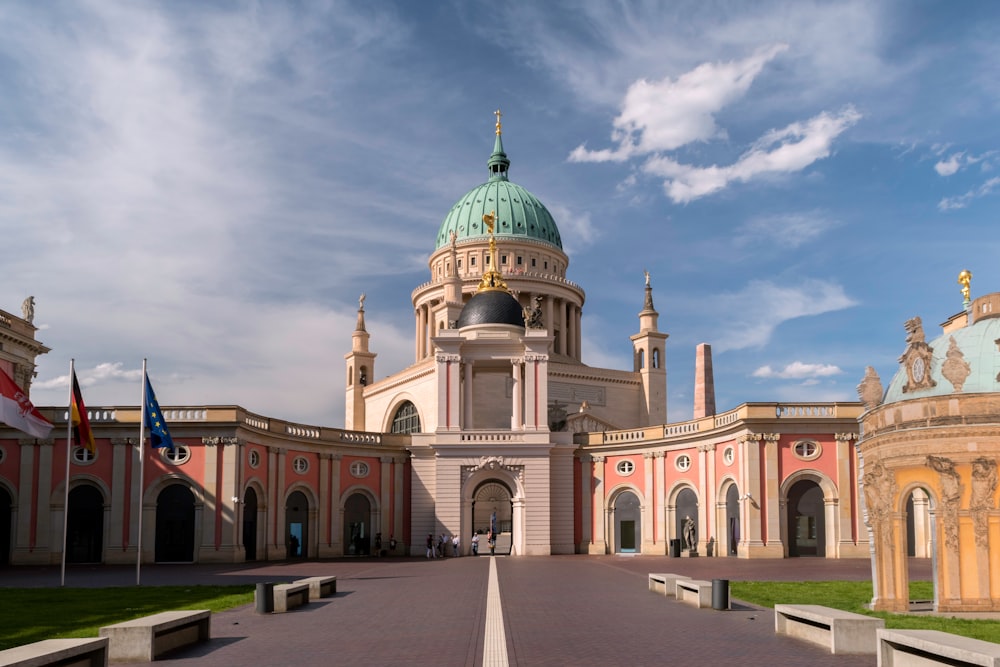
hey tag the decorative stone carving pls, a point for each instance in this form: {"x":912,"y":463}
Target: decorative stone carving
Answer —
{"x":951,"y":495}
{"x":955,"y":368}
{"x":445,"y":358}
{"x":220,"y":440}
{"x":28,"y":310}
{"x":533,"y":315}
{"x":493,"y":463}
{"x":984,"y":485}
{"x":557,"y":417}
{"x":870,"y":390}
{"x":880,"y":490}
{"x":917,"y":358}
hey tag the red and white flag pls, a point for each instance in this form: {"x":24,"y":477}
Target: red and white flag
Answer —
{"x":17,"y":411}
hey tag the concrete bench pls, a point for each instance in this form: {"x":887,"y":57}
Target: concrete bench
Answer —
{"x":694,"y":591}
{"x":902,"y":648}
{"x":289,"y":596}
{"x":320,"y":587}
{"x":663,"y":583}
{"x":146,"y":638}
{"x":840,"y":631}
{"x":92,"y":652}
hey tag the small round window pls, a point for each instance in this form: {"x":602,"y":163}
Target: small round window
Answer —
{"x":359,"y":469}
{"x":254,"y":458}
{"x":807,"y":450}
{"x":728,"y":456}
{"x":179,"y":455}
{"x":683,"y":462}
{"x":625,"y":467}
{"x":300,"y":464}
{"x":83,"y":456}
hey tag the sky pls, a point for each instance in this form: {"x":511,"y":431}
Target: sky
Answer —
{"x":211,"y":185}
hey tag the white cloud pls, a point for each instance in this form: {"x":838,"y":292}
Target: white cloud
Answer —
{"x":753,"y":313}
{"x":961,"y":201}
{"x":667,"y":114}
{"x":787,"y":150}
{"x":949,"y":166}
{"x":798,"y":370}
{"x":789,"y":230}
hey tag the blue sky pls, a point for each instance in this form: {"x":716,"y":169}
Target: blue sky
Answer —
{"x":211,"y":185}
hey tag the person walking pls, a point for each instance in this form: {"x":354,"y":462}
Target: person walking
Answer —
{"x":430,"y":546}
{"x":454,"y":544}
{"x":475,"y":544}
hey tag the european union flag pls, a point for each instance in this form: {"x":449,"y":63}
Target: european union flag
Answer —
{"x":159,"y":436}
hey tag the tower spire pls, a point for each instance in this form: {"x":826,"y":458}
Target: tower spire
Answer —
{"x":498,"y":163}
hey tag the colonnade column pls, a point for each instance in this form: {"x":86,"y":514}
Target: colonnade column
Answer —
{"x":325,"y":535}
{"x":659,"y":480}
{"x":418,"y":335}
{"x":586,"y":503}
{"x":336,"y":511}
{"x":648,"y":505}
{"x":385,"y":500}
{"x":600,"y":543}
{"x":706,"y":474}
{"x":517,"y":397}
{"x":397,"y":501}
{"x":564,"y":334}
{"x":578,"y":336}
{"x":751,"y":532}
{"x":121,"y":507}
{"x":536,"y":392}
{"x":449,"y":391}
{"x":773,"y":502}
{"x":467,"y":422}
{"x":849,"y":518}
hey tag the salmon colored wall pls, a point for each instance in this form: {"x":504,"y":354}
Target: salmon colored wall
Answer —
{"x":789,"y":463}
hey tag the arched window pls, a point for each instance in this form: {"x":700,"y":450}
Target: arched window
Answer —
{"x":406,"y":420}
{"x":656,"y":357}
{"x":642,"y":359}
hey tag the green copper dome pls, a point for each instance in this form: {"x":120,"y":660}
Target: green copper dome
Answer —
{"x":519,"y":213}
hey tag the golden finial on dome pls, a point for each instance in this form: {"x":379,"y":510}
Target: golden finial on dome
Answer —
{"x":497,"y":113}
{"x":965,"y":279}
{"x":492,"y":278}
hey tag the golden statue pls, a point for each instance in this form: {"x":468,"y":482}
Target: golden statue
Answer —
{"x":498,"y":114}
{"x":965,"y":279}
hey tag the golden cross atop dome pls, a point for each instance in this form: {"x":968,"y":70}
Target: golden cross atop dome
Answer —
{"x":497,"y":113}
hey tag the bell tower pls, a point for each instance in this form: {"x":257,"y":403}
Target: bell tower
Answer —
{"x":648,"y":347}
{"x":360,"y":371}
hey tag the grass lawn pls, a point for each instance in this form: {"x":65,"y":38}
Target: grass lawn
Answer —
{"x":852,"y":596}
{"x":32,"y":614}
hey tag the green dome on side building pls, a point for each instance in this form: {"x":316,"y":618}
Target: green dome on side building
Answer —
{"x":520,"y":215}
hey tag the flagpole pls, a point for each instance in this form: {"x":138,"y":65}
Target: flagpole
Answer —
{"x":142,"y":448}
{"x":69,"y":451}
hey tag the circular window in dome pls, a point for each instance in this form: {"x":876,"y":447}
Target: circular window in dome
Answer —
{"x":520,"y":224}
{"x":461,"y":228}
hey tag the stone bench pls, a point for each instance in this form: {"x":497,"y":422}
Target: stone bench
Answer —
{"x":840,"y":631}
{"x":92,"y":652}
{"x":663,"y":583}
{"x":289,"y":596}
{"x":320,"y":587}
{"x":146,"y":638}
{"x":694,"y":591}
{"x":902,"y":648}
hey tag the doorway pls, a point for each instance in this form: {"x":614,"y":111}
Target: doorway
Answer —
{"x":250,"y":524}
{"x":175,"y":525}
{"x":492,"y":513}
{"x":357,"y":525}
{"x":297,"y":525}
{"x":806,"y":520}
{"x":85,"y":525}
{"x":627,"y":522}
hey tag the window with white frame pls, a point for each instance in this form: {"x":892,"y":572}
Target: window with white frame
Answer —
{"x":300,"y":464}
{"x":728,"y":456}
{"x":807,"y":450}
{"x":254,"y":458}
{"x":683,"y":462}
{"x":359,"y":469}
{"x":83,"y":456}
{"x":179,"y":455}
{"x":625,"y":467}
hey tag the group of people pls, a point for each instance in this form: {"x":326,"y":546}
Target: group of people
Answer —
{"x":437,"y":546}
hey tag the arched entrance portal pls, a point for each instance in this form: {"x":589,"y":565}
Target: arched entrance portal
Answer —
{"x":6,"y":520}
{"x":175,"y":525}
{"x":918,"y":524}
{"x":687,"y":507}
{"x":806,"y":520}
{"x":732,"y":520}
{"x":357,"y":525}
{"x":250,"y":524}
{"x":85,"y":525}
{"x":493,"y":512}
{"x":297,"y":525}
{"x":628,"y":526}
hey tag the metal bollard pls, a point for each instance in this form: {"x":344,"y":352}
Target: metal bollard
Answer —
{"x":720,"y":594}
{"x":264,"y":598}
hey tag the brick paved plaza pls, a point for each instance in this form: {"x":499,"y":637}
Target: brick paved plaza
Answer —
{"x":558,"y":610}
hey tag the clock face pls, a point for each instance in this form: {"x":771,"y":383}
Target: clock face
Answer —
{"x":919,"y":369}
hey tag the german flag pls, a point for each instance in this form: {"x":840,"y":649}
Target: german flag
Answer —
{"x":82,"y":435}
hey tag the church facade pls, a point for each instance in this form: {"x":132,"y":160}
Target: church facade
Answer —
{"x":497,"y":428}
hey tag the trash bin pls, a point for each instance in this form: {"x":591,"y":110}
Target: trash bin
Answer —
{"x":264,"y":598}
{"x":675,"y":548}
{"x":720,"y":594}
